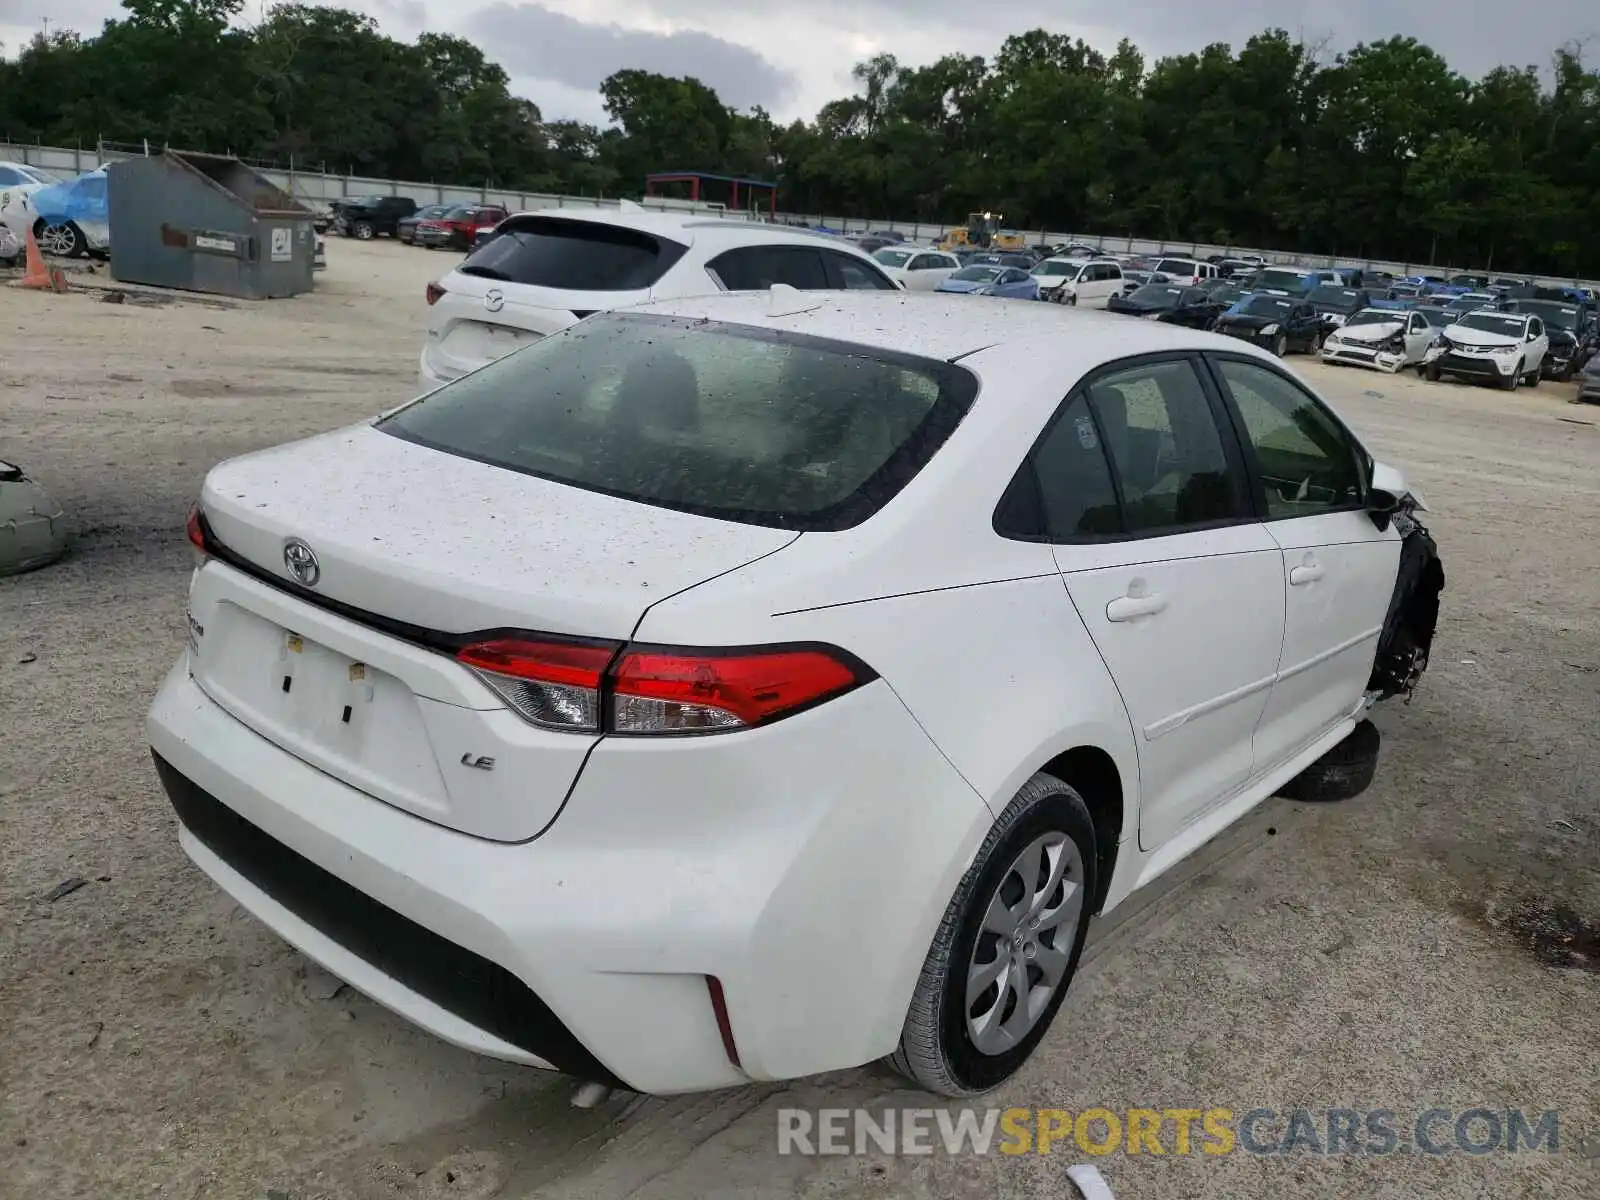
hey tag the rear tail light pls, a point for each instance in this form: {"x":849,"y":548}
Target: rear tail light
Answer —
{"x":604,"y":687}
{"x":686,"y":691}
{"x":433,"y":293}
{"x":549,"y":683}
{"x":196,"y":529}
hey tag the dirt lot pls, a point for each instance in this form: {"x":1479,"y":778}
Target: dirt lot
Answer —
{"x":1422,"y":946}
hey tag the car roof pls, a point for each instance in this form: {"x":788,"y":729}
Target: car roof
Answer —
{"x":693,"y":228}
{"x":938,"y":326}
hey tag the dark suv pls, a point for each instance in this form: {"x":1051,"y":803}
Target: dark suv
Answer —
{"x":365,"y":217}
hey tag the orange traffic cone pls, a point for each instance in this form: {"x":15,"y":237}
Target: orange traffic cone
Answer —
{"x":36,"y":274}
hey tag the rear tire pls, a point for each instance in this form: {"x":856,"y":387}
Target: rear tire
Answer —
{"x":1343,"y":773}
{"x":1046,"y":826}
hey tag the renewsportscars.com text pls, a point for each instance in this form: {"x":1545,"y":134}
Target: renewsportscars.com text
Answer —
{"x":1167,"y":1131}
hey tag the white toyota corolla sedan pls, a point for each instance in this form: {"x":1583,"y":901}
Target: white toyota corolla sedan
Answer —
{"x":752,"y":686}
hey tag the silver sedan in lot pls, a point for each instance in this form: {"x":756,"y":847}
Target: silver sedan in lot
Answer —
{"x":1589,"y":382}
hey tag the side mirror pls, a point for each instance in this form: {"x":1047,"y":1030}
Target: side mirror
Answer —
{"x":1381,"y":507}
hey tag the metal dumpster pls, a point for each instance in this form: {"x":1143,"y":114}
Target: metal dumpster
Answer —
{"x":207,"y":223}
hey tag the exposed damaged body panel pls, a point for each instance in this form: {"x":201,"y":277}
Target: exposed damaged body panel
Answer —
{"x":1413,"y":615}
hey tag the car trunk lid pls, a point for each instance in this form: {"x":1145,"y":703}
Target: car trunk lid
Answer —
{"x":415,"y":548}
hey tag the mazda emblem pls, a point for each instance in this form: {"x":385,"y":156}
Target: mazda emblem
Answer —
{"x":301,"y":562}
{"x":494,"y":300}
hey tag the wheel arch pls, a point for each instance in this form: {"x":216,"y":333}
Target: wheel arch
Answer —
{"x":1093,"y":774}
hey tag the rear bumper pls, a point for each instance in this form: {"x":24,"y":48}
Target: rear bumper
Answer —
{"x":760,"y":862}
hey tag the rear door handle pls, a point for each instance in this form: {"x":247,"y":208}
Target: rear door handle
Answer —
{"x":1131,"y":608}
{"x":1300,"y":576}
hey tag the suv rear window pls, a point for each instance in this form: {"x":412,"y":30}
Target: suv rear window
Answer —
{"x":576,"y":256}
{"x":730,"y":421}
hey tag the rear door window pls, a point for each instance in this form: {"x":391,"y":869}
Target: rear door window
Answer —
{"x":756,"y":268}
{"x":581,"y":256}
{"x":1171,"y":464}
{"x":731,"y":421}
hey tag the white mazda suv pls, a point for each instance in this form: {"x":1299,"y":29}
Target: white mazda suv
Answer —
{"x":542,"y":272}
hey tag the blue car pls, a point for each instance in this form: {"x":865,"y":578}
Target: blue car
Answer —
{"x":1011,"y":283}
{"x":73,"y":218}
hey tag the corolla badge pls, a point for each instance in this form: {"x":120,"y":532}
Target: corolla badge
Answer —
{"x":494,"y":300}
{"x":301,"y":562}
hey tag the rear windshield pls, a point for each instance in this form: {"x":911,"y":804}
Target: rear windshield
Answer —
{"x":1337,"y":296}
{"x":1267,"y":306}
{"x":1155,"y":295}
{"x":1562,"y":316}
{"x":977,"y":274}
{"x":577,"y":256}
{"x":1286,"y":281}
{"x":729,"y":421}
{"x":893,"y":258}
{"x":1177,"y":266}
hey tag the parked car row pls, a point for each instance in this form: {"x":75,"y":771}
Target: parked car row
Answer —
{"x":435,"y":226}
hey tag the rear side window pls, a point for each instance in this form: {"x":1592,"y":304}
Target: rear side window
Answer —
{"x":756,"y":268}
{"x":730,"y":421}
{"x":579,"y":256}
{"x":1064,"y":490}
{"x":856,"y":275}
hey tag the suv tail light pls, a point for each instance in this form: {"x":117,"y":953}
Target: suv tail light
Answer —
{"x":607,"y":687}
{"x":433,"y":293}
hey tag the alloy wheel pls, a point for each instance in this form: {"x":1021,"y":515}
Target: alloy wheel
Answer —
{"x":57,"y":240}
{"x":1022,"y":950}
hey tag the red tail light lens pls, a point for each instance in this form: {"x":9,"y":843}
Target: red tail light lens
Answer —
{"x":552,"y":684}
{"x":684,"y":691}
{"x":433,"y":293}
{"x":195,"y":530}
{"x":604,"y":687}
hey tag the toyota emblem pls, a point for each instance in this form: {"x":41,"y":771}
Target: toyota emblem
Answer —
{"x":494,"y":300}
{"x":301,"y":562}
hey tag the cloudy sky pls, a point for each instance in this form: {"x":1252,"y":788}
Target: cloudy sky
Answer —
{"x":792,"y":57}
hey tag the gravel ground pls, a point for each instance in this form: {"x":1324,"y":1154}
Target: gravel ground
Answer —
{"x":1429,"y":944}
